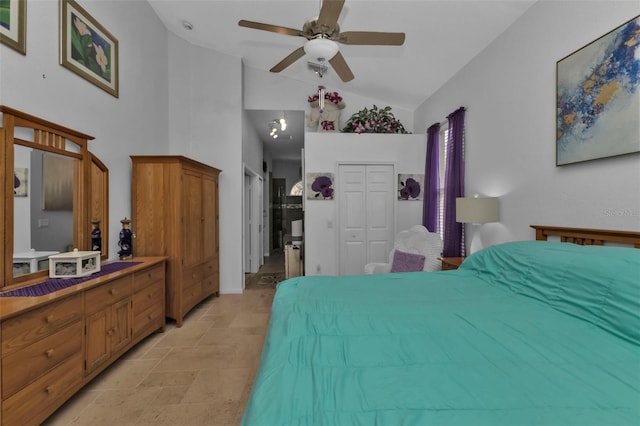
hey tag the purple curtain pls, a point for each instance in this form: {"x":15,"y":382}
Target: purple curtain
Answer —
{"x":431,"y":179}
{"x":453,"y":235}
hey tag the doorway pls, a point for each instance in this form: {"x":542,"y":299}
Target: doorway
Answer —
{"x":253,"y":221}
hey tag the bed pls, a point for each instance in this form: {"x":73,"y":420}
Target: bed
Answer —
{"x":523,"y":333}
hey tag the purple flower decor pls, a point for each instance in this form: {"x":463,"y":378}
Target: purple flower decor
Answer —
{"x":327,"y":125}
{"x":323,"y":186}
{"x":409,"y":189}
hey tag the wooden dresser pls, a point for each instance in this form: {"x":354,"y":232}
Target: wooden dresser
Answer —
{"x":175,"y":214}
{"x":53,"y":345}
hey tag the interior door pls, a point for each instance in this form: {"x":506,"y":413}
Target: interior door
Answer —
{"x":247,"y":222}
{"x":259,"y":211}
{"x":366,"y":206}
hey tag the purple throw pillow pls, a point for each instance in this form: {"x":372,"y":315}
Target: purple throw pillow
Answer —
{"x":407,"y":262}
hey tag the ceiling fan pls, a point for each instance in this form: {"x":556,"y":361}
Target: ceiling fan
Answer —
{"x":323,"y":34}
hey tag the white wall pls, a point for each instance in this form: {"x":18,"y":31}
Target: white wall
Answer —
{"x":509,"y":92}
{"x":134,"y":122}
{"x":206,"y":125}
{"x":323,"y":152}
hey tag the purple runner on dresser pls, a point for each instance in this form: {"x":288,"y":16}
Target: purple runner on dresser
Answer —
{"x":55,"y":284}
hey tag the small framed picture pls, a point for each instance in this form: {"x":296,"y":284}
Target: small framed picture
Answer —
{"x":320,"y":186}
{"x":20,"y":182}
{"x":410,"y":187}
{"x":87,"y":48}
{"x":13,"y":24}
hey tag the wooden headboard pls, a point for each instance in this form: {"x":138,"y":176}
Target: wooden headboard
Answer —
{"x":586,"y":236}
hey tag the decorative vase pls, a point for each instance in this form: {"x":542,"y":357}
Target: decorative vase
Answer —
{"x":125,"y":243}
{"x":96,"y":236}
{"x":327,"y":119}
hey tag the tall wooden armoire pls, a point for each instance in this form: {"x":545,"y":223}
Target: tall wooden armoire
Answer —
{"x":175,"y":214}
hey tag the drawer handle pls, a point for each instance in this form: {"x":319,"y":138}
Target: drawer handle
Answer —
{"x":113,"y":291}
{"x":194,"y":275}
{"x":150,"y":295}
{"x":149,"y":275}
{"x":49,"y":319}
{"x":150,"y":316}
{"x":49,"y":389}
{"x":49,"y":353}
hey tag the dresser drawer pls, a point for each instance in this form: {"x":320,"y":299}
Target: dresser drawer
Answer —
{"x":21,"y":331}
{"x":210,"y":285}
{"x":192,"y":276}
{"x":148,"y":296}
{"x":210,"y":268}
{"x":107,"y":294}
{"x":24,"y":366}
{"x":191,"y":296}
{"x":150,"y":319}
{"x":35,"y":402}
{"x":141,"y":279}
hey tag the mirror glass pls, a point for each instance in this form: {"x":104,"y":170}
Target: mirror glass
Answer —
{"x":43,"y":208}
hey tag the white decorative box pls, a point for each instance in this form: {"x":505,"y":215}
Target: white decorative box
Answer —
{"x":74,"y":264}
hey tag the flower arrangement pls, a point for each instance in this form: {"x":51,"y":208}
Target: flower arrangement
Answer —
{"x":332,"y":97}
{"x":374,"y":120}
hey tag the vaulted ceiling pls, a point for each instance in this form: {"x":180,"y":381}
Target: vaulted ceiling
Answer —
{"x":441,"y":38}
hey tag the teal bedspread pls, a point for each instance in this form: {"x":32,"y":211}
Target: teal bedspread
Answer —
{"x":524,"y":333}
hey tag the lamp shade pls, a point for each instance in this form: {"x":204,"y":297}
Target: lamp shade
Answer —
{"x":321,"y":49}
{"x":477,"y":210}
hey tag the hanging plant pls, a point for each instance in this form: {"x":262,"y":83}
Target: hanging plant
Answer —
{"x":374,"y":120}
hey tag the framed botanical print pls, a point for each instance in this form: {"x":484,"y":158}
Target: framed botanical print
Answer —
{"x":320,"y":186}
{"x":13,"y":24}
{"x":21,"y":182}
{"x":410,"y":186}
{"x":87,"y":48}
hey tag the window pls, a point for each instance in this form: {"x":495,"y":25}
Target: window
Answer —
{"x":442,"y":167}
{"x":297,"y":189}
{"x":444,"y":141}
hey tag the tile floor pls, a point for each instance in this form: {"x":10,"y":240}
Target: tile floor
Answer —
{"x":199,"y":374}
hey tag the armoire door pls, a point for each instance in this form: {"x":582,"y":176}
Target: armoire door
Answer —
{"x":366,"y":213}
{"x":193,"y":241}
{"x":209,"y":220}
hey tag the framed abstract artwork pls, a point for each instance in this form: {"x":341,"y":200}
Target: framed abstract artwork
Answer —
{"x":87,"y":48}
{"x":13,"y":24}
{"x":410,"y":187}
{"x":320,"y":186}
{"x":57,"y":182}
{"x":597,"y":97}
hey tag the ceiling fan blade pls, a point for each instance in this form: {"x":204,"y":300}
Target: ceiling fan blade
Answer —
{"x":329,"y":14}
{"x":340,"y":66}
{"x":372,"y":38}
{"x":268,"y":27}
{"x":293,"y":56}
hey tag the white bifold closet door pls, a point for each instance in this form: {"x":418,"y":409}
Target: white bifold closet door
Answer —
{"x":366,"y":201}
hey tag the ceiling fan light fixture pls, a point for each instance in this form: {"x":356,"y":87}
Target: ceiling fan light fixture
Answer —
{"x":321,"y":49}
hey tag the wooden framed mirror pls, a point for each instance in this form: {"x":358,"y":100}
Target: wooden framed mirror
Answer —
{"x":52,"y":188}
